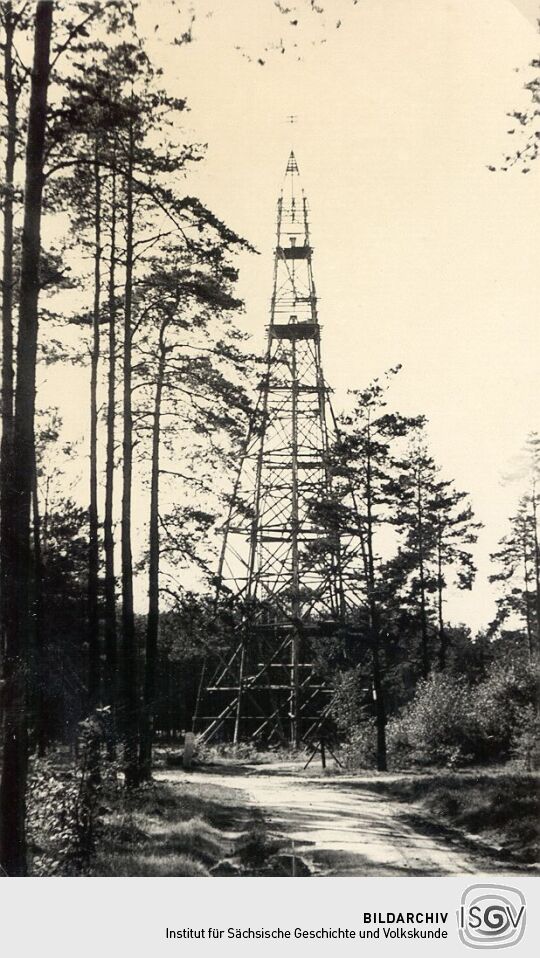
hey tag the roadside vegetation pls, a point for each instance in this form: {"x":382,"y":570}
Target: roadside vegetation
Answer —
{"x":498,"y":809}
{"x":162,"y":829}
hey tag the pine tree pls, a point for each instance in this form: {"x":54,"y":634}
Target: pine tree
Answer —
{"x":515,"y":559}
{"x":518,"y":556}
{"x":366,"y":459}
{"x":15,"y":732}
{"x":86,"y":129}
{"x":14,"y":23}
{"x":180,"y":378}
{"x":437,"y":529}
{"x":456,"y":531}
{"x":18,"y":462}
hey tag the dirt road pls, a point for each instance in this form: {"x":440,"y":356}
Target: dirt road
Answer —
{"x":339,"y":827}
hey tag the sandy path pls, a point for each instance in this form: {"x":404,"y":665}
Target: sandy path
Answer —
{"x":340,"y":828}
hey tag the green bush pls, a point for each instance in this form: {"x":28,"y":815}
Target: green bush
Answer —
{"x":526,"y":742}
{"x":53,"y":818}
{"x":65,"y":802}
{"x":360,"y":747}
{"x":433,"y":728}
{"x":451,"y":722}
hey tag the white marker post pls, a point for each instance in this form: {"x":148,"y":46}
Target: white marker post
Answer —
{"x":189,"y":748}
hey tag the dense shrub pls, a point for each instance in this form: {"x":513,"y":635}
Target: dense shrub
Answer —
{"x":451,"y":722}
{"x":526,"y":743}
{"x":359,"y":750}
{"x":432,"y":729}
{"x":351,"y":705}
{"x":64,"y":802}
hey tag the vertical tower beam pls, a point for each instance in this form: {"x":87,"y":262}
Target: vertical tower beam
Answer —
{"x":295,"y":597}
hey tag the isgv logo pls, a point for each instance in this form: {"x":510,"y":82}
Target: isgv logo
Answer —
{"x":491,"y":916}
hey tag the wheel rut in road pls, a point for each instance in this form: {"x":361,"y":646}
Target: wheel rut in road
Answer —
{"x":340,"y":828}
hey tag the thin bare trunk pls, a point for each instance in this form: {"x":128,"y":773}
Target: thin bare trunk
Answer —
{"x":7,"y":321}
{"x":440,"y":586}
{"x":93,"y":544}
{"x":40,"y":648}
{"x":131,"y":692}
{"x":108,"y":535}
{"x":378,"y":689}
{"x":526,"y":577}
{"x":374,"y":623}
{"x":422,"y":579}
{"x":152,"y":626}
{"x":534,"y":502}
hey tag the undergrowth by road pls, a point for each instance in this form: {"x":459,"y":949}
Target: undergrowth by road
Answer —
{"x":500,"y":807}
{"x":185,"y":829}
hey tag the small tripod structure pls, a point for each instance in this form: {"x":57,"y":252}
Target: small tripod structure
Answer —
{"x":322,"y":746}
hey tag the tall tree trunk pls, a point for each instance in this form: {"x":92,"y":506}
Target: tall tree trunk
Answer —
{"x":374,"y":622}
{"x":40,"y":649}
{"x":422,"y":578}
{"x":152,"y":625}
{"x":526,"y":576}
{"x":93,"y":543}
{"x":130,"y":676}
{"x":15,"y":732}
{"x":534,"y":502}
{"x":108,"y":535}
{"x":443,"y":642}
{"x":7,"y":321}
{"x":380,"y":707}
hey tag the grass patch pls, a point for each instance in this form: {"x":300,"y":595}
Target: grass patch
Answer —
{"x":195,"y":838}
{"x":179,"y":828}
{"x":245,"y":753}
{"x":166,"y":830}
{"x":140,"y":865}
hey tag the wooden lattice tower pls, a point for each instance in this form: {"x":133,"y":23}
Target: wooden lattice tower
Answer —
{"x":272,"y":545}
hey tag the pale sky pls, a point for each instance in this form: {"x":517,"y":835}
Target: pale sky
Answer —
{"x":422,"y":256}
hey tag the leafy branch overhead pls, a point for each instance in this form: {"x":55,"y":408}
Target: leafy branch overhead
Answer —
{"x":525,"y":127}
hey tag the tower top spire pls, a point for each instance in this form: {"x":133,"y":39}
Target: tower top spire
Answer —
{"x":292,"y":165}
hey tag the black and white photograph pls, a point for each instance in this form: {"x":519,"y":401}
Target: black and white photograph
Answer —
{"x":270,"y":445}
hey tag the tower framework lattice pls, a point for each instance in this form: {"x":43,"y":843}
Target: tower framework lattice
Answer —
{"x":277,"y":559}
